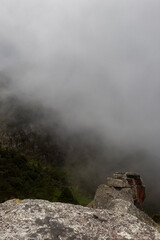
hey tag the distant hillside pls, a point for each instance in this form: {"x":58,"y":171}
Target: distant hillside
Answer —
{"x":33,"y":154}
{"x":24,"y":178}
{"x":66,"y":164}
{"x":39,"y":133}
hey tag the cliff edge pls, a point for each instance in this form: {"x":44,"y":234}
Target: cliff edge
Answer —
{"x":112,"y":215}
{"x":39,"y":219}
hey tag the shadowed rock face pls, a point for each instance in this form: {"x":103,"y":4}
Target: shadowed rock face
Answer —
{"x":39,"y":220}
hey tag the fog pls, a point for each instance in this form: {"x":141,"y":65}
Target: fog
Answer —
{"x":96,"y":62}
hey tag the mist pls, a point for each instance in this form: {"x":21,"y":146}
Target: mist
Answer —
{"x":95,"y":62}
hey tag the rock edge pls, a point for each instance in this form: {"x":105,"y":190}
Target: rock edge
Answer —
{"x":39,"y":219}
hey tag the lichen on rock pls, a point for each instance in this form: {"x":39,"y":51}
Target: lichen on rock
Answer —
{"x":40,"y":219}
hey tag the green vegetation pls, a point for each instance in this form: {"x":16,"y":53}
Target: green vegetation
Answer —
{"x":156,"y":218}
{"x":24,"y":178}
{"x":82,"y":198}
{"x":34,"y":153}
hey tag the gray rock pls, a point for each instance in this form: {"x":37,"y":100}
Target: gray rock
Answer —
{"x":43,"y":220}
{"x":113,"y":182}
{"x":127,"y":186}
{"x":119,"y":205}
{"x":105,"y":194}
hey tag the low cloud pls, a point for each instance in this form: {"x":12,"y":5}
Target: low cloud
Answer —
{"x":96,"y":62}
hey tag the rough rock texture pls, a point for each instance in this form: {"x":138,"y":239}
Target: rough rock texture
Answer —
{"x":111,"y":199}
{"x":117,"y":205}
{"x":105,"y":194}
{"x":39,"y":219}
{"x":129,"y":180}
{"x":127,"y":186}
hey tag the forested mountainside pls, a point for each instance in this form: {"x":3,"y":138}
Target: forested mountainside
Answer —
{"x":21,"y":177}
{"x":39,"y":153}
{"x":61,"y":161}
{"x":33,"y":153}
{"x":41,"y":158}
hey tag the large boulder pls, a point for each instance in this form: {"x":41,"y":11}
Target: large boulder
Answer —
{"x":43,"y":220}
{"x":127,"y":186}
{"x":123,"y":192}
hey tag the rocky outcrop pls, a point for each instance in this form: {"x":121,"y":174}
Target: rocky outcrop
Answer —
{"x":123,"y":192}
{"x":112,"y":215}
{"x":127,"y":186}
{"x":39,"y":220}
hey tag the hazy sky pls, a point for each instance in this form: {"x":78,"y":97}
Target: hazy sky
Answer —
{"x":96,"y":61}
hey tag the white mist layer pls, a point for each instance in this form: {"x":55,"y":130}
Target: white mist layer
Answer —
{"x":97,"y":62}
